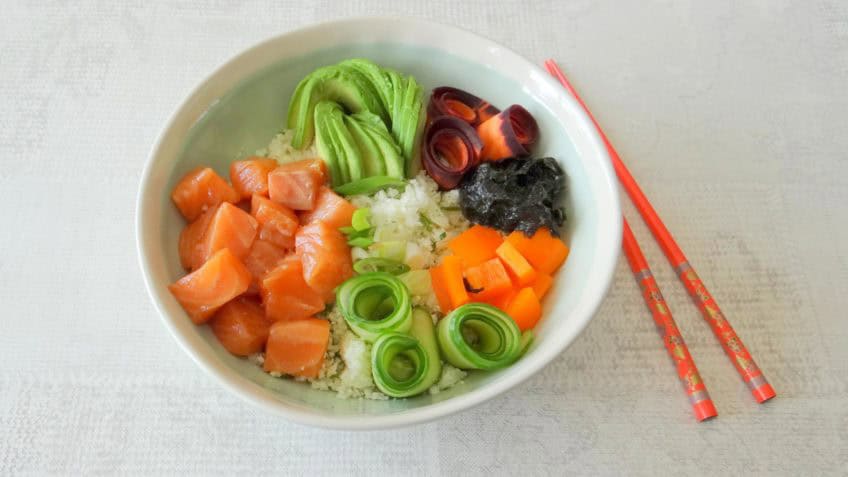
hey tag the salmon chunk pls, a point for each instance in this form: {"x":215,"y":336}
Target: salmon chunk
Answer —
{"x":296,"y":184}
{"x":200,"y":190}
{"x":203,"y":291}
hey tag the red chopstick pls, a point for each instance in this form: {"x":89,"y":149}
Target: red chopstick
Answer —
{"x":674,"y":343}
{"x":732,"y":344}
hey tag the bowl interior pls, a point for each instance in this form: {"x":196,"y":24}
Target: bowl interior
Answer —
{"x":214,"y":129}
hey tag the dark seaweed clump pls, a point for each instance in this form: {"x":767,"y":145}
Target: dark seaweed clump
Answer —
{"x":515,"y":194}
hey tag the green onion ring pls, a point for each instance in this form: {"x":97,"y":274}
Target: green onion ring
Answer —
{"x":405,"y":365}
{"x":359,"y":220}
{"x":375,"y":303}
{"x":370,"y":185}
{"x":479,"y":336}
{"x":377,"y":264}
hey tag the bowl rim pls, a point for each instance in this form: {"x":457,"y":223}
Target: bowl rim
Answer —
{"x":234,"y":382}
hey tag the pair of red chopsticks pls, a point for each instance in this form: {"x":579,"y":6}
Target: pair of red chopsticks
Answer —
{"x":732,"y":344}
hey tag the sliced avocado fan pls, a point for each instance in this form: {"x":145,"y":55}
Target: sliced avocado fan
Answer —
{"x":345,"y":86}
{"x":366,"y":120}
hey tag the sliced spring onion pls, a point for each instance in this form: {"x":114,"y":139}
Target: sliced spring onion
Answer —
{"x":375,"y":303}
{"x":479,"y":336}
{"x":359,"y":221}
{"x":370,"y":185}
{"x":391,"y":249}
{"x":363,"y":242}
{"x":351,"y":232}
{"x":405,"y":365}
{"x":418,"y":282}
{"x":377,"y":264}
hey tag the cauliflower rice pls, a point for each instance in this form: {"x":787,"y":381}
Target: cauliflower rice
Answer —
{"x":420,"y":215}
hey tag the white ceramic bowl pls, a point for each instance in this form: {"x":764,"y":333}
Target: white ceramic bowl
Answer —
{"x":238,"y":108}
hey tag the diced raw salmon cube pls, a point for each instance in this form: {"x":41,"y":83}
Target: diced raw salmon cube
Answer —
{"x":277,"y":223}
{"x":325,"y":256}
{"x":296,"y":184}
{"x":286,"y":295}
{"x":200,"y":190}
{"x":262,"y":258}
{"x":192,"y":247}
{"x":250,"y":176}
{"x":297,"y":348}
{"x":331,"y":209}
{"x":241,"y":326}
{"x":203,"y":291}
{"x":230,"y":228}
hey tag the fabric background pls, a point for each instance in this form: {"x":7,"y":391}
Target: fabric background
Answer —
{"x":732,"y":115}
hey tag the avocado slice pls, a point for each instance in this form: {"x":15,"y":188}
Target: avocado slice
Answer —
{"x":325,"y":142}
{"x":337,"y":146}
{"x":389,"y":150}
{"x":411,"y":119}
{"x":407,"y":112}
{"x":343,"y":85}
{"x":378,"y":80}
{"x":372,"y":159}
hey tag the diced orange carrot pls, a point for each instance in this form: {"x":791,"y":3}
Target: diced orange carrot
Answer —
{"x":230,"y":228}
{"x":250,"y":176}
{"x":331,"y":209}
{"x":192,"y":246}
{"x":448,"y":284}
{"x":476,"y":245}
{"x":241,"y":326}
{"x":286,"y":295}
{"x":296,"y":184}
{"x":297,"y":348}
{"x":520,"y":270}
{"x":490,"y":277}
{"x":219,"y":280}
{"x":277,"y":223}
{"x":200,"y":190}
{"x":542,"y":284}
{"x":544,"y":251}
{"x":504,"y":300}
{"x":262,"y":258}
{"x":525,"y":309}
{"x":325,"y":256}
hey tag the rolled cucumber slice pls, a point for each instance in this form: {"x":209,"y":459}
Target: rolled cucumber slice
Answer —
{"x":404,"y":365}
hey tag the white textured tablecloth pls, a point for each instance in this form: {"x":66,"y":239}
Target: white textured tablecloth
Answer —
{"x":732,"y":115}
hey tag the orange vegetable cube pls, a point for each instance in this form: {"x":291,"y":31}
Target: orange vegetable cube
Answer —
{"x":503,"y":301}
{"x":476,"y":245}
{"x":286,"y":295}
{"x":448,"y":284}
{"x":297,"y":348}
{"x":490,"y":277}
{"x":545,"y":252}
{"x":525,"y":309}
{"x":542,"y":284}
{"x":200,"y":190}
{"x":241,"y":326}
{"x":518,"y":267}
{"x":203,"y":291}
{"x":250,"y":176}
{"x":331,"y":209}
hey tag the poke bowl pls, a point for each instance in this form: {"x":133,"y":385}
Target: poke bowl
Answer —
{"x":285,"y":107}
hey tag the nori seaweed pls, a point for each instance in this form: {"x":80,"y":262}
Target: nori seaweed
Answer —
{"x":515,"y":194}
